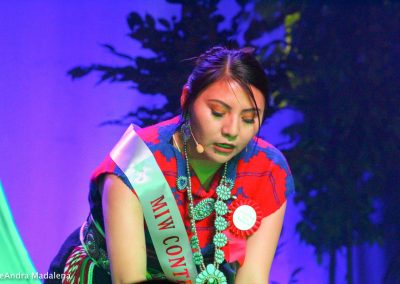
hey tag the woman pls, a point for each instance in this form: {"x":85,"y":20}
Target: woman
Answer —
{"x":195,"y":199}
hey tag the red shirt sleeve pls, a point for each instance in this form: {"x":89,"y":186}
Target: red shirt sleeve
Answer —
{"x":266,"y":178}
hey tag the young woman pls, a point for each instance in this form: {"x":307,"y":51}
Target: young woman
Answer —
{"x":195,"y":199}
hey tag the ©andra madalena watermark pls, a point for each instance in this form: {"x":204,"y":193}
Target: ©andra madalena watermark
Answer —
{"x":33,"y":275}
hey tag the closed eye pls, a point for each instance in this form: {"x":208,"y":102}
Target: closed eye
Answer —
{"x":249,"y":117}
{"x":249,"y":120}
{"x":217,"y":114}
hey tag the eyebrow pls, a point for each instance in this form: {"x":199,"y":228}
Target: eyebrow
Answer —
{"x":229,"y":107}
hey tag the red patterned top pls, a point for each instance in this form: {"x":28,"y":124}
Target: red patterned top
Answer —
{"x":261,"y":176}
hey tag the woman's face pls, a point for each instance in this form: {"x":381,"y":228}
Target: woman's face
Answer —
{"x":224,"y":119}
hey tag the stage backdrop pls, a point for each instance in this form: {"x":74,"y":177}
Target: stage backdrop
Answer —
{"x":50,"y":138}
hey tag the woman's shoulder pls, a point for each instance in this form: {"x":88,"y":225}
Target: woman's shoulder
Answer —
{"x":262,"y":155}
{"x":160,"y":132}
{"x":264,"y":176}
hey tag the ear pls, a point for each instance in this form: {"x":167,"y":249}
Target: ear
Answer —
{"x":185,"y":92}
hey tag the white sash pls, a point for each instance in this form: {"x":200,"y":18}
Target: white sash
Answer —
{"x":160,"y":210}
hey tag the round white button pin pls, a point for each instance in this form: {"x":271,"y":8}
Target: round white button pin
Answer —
{"x":244,"y":217}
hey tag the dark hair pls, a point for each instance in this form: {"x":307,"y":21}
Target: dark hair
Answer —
{"x":217,"y":63}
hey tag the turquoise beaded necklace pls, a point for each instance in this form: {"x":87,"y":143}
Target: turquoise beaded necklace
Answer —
{"x":211,"y":272}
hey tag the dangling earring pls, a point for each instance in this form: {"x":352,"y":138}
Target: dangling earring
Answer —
{"x":185,"y":129}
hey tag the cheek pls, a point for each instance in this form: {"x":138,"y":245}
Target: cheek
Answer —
{"x":248,"y":133}
{"x":202,"y":122}
{"x":205,"y":117}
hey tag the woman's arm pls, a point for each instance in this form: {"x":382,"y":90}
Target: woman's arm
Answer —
{"x":260,"y":250}
{"x":123,"y":224}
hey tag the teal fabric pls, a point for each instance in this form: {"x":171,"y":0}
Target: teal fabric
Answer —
{"x":15,"y":263}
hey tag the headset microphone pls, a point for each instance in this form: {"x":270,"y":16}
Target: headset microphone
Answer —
{"x":199,"y":147}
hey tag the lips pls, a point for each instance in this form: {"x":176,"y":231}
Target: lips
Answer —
{"x":224,"y":148}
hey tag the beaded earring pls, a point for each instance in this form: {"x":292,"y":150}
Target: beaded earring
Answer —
{"x":185,"y":128}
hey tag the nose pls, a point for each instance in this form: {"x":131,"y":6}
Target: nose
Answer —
{"x":231,"y":128}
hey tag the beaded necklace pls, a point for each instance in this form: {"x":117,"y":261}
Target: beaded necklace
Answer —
{"x":211,"y":272}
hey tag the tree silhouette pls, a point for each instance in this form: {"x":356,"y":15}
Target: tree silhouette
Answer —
{"x":174,"y":42}
{"x":345,"y":62}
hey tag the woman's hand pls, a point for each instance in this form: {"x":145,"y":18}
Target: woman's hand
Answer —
{"x":124,"y":229}
{"x":260,"y":250}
